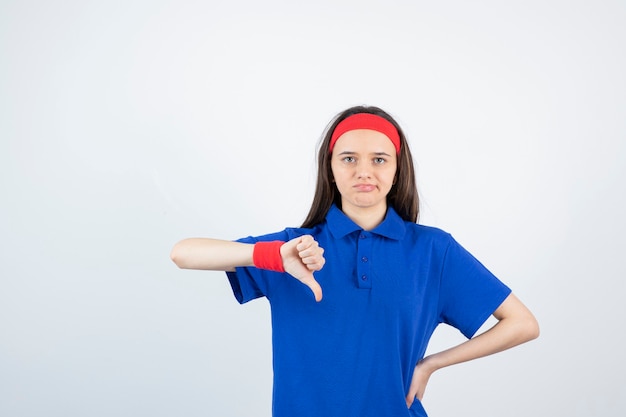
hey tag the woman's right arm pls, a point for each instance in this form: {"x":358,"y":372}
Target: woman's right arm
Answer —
{"x":211,"y":254}
{"x":300,"y":256}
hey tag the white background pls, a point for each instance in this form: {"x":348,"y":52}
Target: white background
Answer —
{"x":128,"y":125}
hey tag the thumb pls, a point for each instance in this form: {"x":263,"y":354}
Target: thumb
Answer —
{"x":310,"y":282}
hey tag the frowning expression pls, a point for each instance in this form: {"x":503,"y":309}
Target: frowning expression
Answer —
{"x":364,"y":164}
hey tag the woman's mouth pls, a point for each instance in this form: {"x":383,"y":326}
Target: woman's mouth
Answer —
{"x":365,"y":188}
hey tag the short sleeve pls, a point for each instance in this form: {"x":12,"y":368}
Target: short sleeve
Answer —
{"x":249,"y":283}
{"x":469,"y":292}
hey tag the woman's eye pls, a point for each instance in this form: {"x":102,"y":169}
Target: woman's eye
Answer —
{"x":379,"y":161}
{"x":348,"y":159}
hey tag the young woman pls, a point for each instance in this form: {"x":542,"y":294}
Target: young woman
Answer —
{"x":357,"y":291}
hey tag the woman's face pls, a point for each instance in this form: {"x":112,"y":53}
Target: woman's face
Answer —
{"x":364,"y":165}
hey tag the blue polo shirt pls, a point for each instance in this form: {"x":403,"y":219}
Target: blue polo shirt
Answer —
{"x":385,"y":291}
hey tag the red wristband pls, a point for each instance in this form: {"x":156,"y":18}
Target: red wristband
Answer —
{"x":266,"y":255}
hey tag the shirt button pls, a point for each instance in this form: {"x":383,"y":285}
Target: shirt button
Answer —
{"x":362,"y":236}
{"x":364,"y":259}
{"x":364,"y":277}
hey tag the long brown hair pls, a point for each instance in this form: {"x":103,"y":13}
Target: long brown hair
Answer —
{"x":403,"y":196}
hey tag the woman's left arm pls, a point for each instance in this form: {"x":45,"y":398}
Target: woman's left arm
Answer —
{"x":516,"y":325}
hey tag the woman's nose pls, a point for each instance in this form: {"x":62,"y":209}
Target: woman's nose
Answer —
{"x":363,"y":170}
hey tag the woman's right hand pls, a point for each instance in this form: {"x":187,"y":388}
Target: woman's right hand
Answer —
{"x":301,"y":257}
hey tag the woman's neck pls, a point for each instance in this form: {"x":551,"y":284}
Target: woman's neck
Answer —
{"x":366,"y":218}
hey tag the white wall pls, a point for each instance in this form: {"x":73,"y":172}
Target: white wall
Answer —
{"x":128,"y":125}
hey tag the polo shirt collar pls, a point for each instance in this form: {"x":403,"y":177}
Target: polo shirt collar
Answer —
{"x":341,"y":225}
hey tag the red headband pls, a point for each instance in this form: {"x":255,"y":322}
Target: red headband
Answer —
{"x":366,"y":121}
